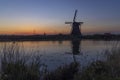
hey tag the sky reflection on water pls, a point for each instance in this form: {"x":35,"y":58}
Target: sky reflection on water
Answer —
{"x":56,"y":53}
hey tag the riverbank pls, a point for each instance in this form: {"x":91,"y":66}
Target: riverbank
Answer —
{"x":57,"y":37}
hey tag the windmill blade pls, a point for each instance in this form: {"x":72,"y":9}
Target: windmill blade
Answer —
{"x":75,"y":16}
{"x":68,"y":22}
{"x":80,"y":22}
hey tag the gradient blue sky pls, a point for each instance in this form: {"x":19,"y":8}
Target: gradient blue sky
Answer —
{"x":39,"y":16}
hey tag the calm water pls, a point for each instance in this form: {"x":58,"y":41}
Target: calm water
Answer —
{"x":56,"y":53}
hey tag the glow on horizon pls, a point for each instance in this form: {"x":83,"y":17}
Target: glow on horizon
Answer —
{"x":30,"y":29}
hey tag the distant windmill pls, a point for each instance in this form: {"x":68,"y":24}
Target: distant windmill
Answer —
{"x":76,"y":31}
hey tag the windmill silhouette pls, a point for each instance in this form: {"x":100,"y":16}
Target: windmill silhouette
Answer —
{"x":76,"y":30}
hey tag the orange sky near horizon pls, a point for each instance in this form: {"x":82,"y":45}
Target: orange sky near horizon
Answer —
{"x":29,"y":29}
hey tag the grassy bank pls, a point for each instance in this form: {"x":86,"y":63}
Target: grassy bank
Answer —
{"x":18,"y":65}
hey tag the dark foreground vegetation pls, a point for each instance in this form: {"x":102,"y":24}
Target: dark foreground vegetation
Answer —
{"x":16,"y":65}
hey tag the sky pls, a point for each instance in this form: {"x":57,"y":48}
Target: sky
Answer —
{"x":49,"y":16}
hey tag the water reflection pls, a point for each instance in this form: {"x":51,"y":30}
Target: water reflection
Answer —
{"x":76,"y":48}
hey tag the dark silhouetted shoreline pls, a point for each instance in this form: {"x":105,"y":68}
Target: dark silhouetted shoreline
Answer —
{"x":58,"y":37}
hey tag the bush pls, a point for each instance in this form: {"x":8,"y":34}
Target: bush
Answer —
{"x":66,"y":72}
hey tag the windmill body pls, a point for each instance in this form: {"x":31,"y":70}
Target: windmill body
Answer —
{"x":75,"y":30}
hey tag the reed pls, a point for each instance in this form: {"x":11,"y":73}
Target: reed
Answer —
{"x":18,"y":65}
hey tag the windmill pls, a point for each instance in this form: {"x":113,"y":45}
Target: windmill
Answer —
{"x":76,"y":30}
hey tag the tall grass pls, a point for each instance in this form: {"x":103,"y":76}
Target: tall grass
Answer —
{"x":18,"y":65}
{"x":103,"y":70}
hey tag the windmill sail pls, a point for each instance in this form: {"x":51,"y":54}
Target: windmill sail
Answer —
{"x":75,"y":16}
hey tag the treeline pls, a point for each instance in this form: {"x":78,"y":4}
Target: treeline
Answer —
{"x":103,"y":37}
{"x":58,"y":37}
